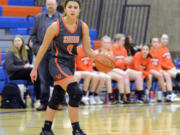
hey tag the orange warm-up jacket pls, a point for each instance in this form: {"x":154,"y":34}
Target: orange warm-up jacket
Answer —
{"x":166,"y":63}
{"x":83,"y":62}
{"x":142,"y":64}
{"x":120,"y":54}
{"x":156,"y":59}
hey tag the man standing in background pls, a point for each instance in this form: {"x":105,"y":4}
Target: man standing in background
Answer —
{"x":42,"y":22}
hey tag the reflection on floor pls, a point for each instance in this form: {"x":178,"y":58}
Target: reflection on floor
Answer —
{"x":152,"y":119}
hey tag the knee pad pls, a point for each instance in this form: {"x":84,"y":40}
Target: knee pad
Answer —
{"x":75,"y":94}
{"x":57,"y":97}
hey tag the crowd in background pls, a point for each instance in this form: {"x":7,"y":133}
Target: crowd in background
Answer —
{"x":140,"y":65}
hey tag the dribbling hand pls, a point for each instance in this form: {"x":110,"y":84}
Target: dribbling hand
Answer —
{"x":33,"y":75}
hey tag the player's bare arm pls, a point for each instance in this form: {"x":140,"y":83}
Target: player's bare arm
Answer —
{"x":50,"y":34}
{"x":86,"y":42}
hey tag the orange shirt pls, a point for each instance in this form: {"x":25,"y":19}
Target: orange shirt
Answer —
{"x":120,"y":54}
{"x":83,"y":62}
{"x":142,"y":64}
{"x":156,"y":59}
{"x":166,"y":63}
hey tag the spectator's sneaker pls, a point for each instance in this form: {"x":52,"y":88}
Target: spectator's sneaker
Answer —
{"x":146,"y":99}
{"x":43,"y":132}
{"x":168,"y":98}
{"x":98,"y":100}
{"x":133,"y":99}
{"x":121,"y":101}
{"x":85,"y":100}
{"x":139,"y":101}
{"x":37,"y":104}
{"x":159,"y":101}
{"x":41,"y":108}
{"x":143,"y":99}
{"x":92,"y":100}
{"x":113,"y":102}
{"x":127,"y":102}
{"x":78,"y":132}
{"x":174,"y":97}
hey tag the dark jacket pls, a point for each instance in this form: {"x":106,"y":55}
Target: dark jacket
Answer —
{"x":39,"y":28}
{"x":13,"y":64}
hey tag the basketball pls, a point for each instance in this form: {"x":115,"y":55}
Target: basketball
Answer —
{"x":104,"y":62}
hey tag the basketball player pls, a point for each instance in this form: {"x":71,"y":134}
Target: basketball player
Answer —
{"x":92,"y":79}
{"x":66,"y":34}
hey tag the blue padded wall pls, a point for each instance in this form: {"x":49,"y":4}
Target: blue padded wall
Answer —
{"x":21,"y":2}
{"x":93,"y":34}
{"x":0,"y":10}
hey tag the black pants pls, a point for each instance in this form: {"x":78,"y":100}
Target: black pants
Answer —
{"x":24,"y":74}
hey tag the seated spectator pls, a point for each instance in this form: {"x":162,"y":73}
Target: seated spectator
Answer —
{"x":142,"y":62}
{"x":105,"y":49}
{"x":123,"y":67}
{"x":94,"y":81}
{"x":31,"y":55}
{"x":157,"y":72}
{"x":17,"y":63}
{"x":167,"y":63}
{"x":130,"y":47}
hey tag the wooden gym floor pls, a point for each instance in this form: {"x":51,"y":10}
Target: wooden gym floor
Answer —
{"x":146,"y":119}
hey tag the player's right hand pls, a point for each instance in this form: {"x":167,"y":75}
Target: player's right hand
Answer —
{"x":33,"y":75}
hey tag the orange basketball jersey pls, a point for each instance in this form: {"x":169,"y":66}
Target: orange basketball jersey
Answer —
{"x":156,"y":59}
{"x":120,"y":54}
{"x":166,"y":63}
{"x":142,"y":64}
{"x":83,"y":62}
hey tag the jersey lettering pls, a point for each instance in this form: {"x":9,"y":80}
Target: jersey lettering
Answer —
{"x":154,"y":61}
{"x":71,"y":39}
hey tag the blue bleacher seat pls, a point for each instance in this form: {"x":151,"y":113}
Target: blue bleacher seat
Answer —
{"x":20,"y":31}
{"x":16,"y":22}
{"x":3,"y":56}
{"x":21,"y":2}
{"x":43,"y":9}
{"x":3,"y":76}
{"x":92,"y":44}
{"x":93,"y":34}
{"x":0,"y":10}
{"x":2,"y":84}
{"x":177,"y":63}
